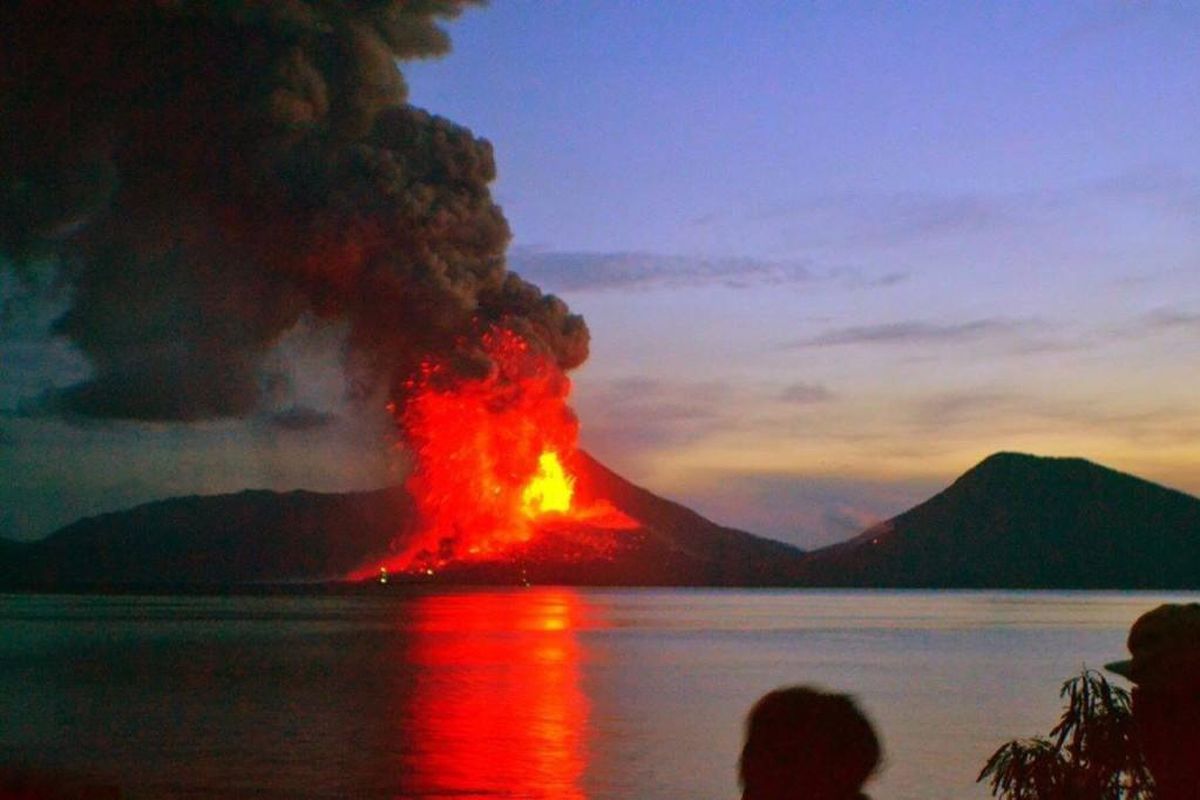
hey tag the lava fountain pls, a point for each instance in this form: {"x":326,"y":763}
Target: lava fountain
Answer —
{"x":491,"y":455}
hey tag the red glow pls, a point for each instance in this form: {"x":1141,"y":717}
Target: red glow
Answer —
{"x":490,"y":455}
{"x":514,"y":718}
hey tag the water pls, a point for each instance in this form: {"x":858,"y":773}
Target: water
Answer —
{"x":534,"y":693}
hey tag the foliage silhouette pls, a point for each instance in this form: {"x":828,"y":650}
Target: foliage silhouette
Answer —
{"x":1091,"y":754}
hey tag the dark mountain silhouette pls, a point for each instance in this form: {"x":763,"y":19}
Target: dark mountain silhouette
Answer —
{"x":256,"y":537}
{"x":248,"y":537}
{"x":1022,"y":521}
{"x":1013,"y":521}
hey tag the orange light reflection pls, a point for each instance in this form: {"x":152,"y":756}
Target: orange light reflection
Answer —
{"x":498,"y":708}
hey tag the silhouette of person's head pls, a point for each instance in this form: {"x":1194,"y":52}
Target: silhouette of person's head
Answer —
{"x":1165,"y":671}
{"x":805,"y":743}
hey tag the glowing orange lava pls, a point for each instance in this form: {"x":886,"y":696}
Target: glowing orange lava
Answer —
{"x":490,"y":457}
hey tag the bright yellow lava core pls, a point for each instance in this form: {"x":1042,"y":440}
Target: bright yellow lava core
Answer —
{"x":548,"y":490}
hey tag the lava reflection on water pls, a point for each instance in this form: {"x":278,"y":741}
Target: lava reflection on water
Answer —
{"x":497,"y":705}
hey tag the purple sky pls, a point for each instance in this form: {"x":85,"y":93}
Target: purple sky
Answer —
{"x":832,"y":255}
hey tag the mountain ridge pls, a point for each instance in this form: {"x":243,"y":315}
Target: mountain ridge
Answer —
{"x":1013,"y":520}
{"x":257,"y":536}
{"x":1021,"y":521}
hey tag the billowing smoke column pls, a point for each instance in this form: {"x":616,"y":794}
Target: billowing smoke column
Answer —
{"x":205,"y":174}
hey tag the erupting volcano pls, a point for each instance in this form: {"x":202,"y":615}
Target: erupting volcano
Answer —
{"x":225,"y":193}
{"x":492,"y":455}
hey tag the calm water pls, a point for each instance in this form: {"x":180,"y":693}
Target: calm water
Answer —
{"x":535,"y":693}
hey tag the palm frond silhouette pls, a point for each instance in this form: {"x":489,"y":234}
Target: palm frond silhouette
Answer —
{"x":1091,"y":754}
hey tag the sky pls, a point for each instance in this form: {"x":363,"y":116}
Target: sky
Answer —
{"x":831,"y":255}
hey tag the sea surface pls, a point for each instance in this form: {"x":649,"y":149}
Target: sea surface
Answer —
{"x":525,"y":693}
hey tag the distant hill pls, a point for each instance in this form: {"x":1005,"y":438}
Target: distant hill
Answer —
{"x":1022,"y":521}
{"x":256,"y":537}
{"x":248,"y":537}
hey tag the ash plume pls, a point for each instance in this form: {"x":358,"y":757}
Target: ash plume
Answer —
{"x":203,"y":175}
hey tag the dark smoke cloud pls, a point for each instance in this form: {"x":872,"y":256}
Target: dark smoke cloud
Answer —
{"x":206,"y":174}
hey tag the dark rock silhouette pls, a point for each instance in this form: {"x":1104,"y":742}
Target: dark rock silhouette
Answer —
{"x":1021,"y":521}
{"x":1013,"y":521}
{"x":248,"y":537}
{"x":256,"y":537}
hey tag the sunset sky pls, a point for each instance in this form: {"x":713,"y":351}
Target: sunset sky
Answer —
{"x":831,"y":255}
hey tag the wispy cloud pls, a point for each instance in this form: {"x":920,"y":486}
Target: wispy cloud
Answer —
{"x":1101,"y":22}
{"x":1165,"y":321}
{"x":900,"y":217}
{"x":1171,"y":320}
{"x":884,"y":220}
{"x":1161,"y":187}
{"x":908,"y":332}
{"x":638,"y":414}
{"x":887,"y":279}
{"x":853,"y":220}
{"x":806,"y":394}
{"x":1001,"y":411}
{"x":947,"y":409}
{"x":567,"y":271}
